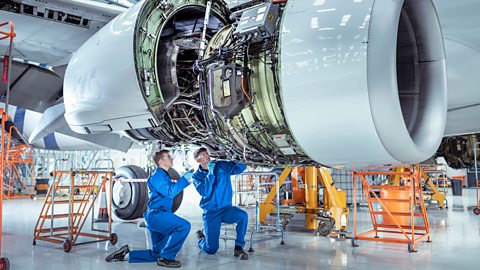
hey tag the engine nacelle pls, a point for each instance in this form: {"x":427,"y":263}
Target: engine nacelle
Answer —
{"x":307,"y":82}
{"x":372,"y":76}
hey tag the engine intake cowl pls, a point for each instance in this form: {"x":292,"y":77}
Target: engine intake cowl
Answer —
{"x":364,"y":82}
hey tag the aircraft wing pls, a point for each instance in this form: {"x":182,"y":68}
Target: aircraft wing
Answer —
{"x":48,"y":33}
{"x":459,"y":21}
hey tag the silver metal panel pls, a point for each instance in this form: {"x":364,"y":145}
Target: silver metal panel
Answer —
{"x":324,"y":81}
{"x":460,"y":25}
{"x":105,"y":94}
{"x":463,"y":121}
{"x":47,"y":84}
{"x":63,"y":138}
{"x":52,"y":42}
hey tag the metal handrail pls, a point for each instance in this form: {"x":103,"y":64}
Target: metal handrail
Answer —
{"x":257,"y":227}
{"x":109,"y":161}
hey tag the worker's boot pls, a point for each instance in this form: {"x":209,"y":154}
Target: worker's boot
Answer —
{"x":168,"y":263}
{"x":239,"y":252}
{"x":200,"y":234}
{"x":118,"y":255}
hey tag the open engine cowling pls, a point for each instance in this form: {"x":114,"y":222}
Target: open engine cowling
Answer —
{"x":304,"y":82}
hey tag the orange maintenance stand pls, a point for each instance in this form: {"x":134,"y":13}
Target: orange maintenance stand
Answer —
{"x":398,"y":213}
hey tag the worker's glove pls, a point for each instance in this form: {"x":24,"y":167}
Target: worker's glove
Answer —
{"x":188,"y":175}
{"x":211,"y":166}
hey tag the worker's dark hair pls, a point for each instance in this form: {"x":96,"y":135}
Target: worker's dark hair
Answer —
{"x":157,"y":156}
{"x":199,"y":151}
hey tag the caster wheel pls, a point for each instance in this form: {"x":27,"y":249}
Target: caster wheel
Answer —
{"x":4,"y":264}
{"x":282,"y":243}
{"x":325,"y":226}
{"x":251,"y":250}
{"x":34,"y":242}
{"x":67,"y":245}
{"x":113,"y":238}
{"x":323,"y":229}
{"x":476,"y":211}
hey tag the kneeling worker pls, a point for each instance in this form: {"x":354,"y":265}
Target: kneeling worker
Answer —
{"x":212,"y":181}
{"x":167,"y":231}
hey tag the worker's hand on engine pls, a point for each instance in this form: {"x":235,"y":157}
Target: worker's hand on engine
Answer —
{"x":211,"y":166}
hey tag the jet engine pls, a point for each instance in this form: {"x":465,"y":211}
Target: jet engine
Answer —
{"x":270,"y":82}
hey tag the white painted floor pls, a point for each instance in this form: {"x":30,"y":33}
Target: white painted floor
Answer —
{"x":455,"y":235}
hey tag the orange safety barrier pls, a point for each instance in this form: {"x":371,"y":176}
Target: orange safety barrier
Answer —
{"x":396,"y":221}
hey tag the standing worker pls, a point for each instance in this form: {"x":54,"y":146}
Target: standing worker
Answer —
{"x":167,"y":231}
{"x":212,"y":181}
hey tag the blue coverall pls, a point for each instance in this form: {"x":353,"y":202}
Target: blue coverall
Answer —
{"x":167,"y":231}
{"x":216,"y":191}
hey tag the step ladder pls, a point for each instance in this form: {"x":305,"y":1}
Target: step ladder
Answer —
{"x":20,"y":171}
{"x":399,"y":214}
{"x":70,"y":199}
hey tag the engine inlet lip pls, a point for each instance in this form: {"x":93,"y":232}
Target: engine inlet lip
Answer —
{"x":424,"y":137}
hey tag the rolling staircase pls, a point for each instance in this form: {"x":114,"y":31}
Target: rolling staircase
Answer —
{"x":70,"y":199}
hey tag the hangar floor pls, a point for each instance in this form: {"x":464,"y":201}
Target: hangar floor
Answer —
{"x":455,"y":235}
